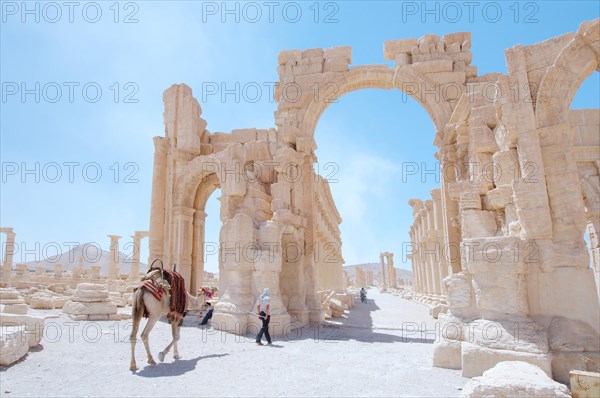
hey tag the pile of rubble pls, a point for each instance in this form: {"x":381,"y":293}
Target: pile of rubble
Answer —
{"x":335,"y":304}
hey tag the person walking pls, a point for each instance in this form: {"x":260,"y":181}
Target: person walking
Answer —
{"x":263,"y":306}
{"x":208,"y":316}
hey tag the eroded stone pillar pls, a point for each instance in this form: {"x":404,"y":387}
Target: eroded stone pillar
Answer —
{"x":134,"y":274}
{"x":113,"y":260}
{"x":391,"y":270}
{"x":424,"y":257}
{"x":439,"y":236}
{"x":383,"y":278}
{"x":198,"y":250}
{"x":431,"y":247}
{"x":9,"y":249}
{"x":182,"y":243}
{"x":235,"y":276}
{"x":158,"y":205}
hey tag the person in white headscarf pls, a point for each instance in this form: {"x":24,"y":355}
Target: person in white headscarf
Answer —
{"x":263,"y":304}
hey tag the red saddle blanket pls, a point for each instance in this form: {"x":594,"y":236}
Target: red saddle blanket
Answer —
{"x":178,"y":300}
{"x":153,"y":288}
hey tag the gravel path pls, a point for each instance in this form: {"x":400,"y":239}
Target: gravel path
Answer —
{"x":381,"y":350}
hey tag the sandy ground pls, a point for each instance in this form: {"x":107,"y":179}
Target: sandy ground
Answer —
{"x":377,"y":351}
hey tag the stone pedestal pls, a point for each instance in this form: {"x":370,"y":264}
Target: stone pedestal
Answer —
{"x":91,"y":302}
{"x":11,"y":302}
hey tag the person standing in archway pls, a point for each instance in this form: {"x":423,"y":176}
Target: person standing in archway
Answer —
{"x":263,"y":307}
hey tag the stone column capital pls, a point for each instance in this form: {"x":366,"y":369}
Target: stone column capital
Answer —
{"x":183,"y":211}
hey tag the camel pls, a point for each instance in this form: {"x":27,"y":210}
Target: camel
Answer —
{"x":142,"y":298}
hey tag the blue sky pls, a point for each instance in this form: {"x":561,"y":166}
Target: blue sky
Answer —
{"x":369,"y":135}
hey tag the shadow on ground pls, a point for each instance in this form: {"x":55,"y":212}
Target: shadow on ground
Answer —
{"x":356,"y":325}
{"x":176,"y":368}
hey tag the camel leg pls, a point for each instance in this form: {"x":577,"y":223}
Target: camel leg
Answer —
{"x":151,"y":321}
{"x":161,"y":355}
{"x":132,"y":340}
{"x":176,"y":331}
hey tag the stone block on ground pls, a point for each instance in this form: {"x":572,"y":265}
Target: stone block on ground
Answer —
{"x":477,"y":359}
{"x":514,"y":379}
{"x":13,"y":344}
{"x":447,"y":354}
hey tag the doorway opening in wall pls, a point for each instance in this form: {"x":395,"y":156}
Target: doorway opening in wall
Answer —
{"x":584,"y":118}
{"x":375,"y":149}
{"x":212,"y":228}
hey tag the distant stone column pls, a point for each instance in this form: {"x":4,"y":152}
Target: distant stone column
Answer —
{"x":134,"y":273}
{"x":391,"y":271}
{"x":437,"y":216}
{"x":9,"y":252}
{"x":414,"y":259}
{"x":383,"y":281}
{"x":113,"y":271}
{"x":58,"y":270}
{"x":432,"y":247}
{"x":420,"y":258}
{"x":424,"y":258}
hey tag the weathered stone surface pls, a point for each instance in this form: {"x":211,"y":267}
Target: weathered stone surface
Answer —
{"x":393,"y":47}
{"x":90,"y":299}
{"x":514,"y":379}
{"x":477,"y":359}
{"x":564,"y":362}
{"x":521,"y":336}
{"x":478,"y":223}
{"x":447,"y":354}
{"x":572,"y":335}
{"x":458,"y":291}
{"x":96,"y":308}
{"x":9,"y":293}
{"x":437,"y":309}
{"x":14,"y":308}
{"x":13,"y":344}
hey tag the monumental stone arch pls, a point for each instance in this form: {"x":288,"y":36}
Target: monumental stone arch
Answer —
{"x":519,"y":185}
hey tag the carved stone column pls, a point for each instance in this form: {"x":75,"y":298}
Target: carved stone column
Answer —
{"x":113,"y":271}
{"x":182,"y":242}
{"x":439,"y":236}
{"x":158,"y":203}
{"x":134,"y":273}
{"x":383,"y":278}
{"x":9,"y":251}
{"x":197,"y":276}
{"x":422,"y":246}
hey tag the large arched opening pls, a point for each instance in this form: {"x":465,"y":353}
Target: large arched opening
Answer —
{"x":196,"y":185}
{"x":438,"y":100}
